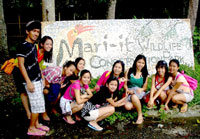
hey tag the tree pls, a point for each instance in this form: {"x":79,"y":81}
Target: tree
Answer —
{"x":111,"y":9}
{"x":3,"y":35}
{"x":192,"y":13}
{"x":48,"y":10}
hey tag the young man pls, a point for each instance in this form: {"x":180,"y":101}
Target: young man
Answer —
{"x":29,"y":67}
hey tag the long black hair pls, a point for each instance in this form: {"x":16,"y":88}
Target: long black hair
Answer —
{"x":175,"y":61}
{"x":47,"y":55}
{"x":144,"y":69}
{"x":78,"y":59}
{"x":161,"y":64}
{"x":123,"y":68}
{"x":84,"y":72}
{"x":112,"y":78}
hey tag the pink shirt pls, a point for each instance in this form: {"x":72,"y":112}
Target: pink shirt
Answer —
{"x":103,"y":79}
{"x":75,"y":85}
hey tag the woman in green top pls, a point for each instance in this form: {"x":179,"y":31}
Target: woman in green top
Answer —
{"x":136,"y":84}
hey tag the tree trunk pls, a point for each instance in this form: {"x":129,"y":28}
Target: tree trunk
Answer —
{"x":111,"y":9}
{"x":48,"y":10}
{"x":192,"y":13}
{"x":3,"y":36}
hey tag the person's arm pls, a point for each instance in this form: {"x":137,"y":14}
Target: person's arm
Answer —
{"x":117,"y":103}
{"x":79,"y":100}
{"x":22,"y":68}
{"x":126,"y":82}
{"x":163,"y":87}
{"x":144,"y":87}
{"x":99,"y":82}
{"x":152,"y":91}
{"x":171,"y":93}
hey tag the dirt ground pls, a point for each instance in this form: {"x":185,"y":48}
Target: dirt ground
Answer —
{"x":14,"y":123}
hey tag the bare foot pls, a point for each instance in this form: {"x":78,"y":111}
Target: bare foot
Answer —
{"x":166,"y":108}
{"x":139,"y":120}
{"x":45,"y":117}
{"x":184,"y":108}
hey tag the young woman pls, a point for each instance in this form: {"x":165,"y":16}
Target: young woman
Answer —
{"x":45,"y":52}
{"x":160,"y":83}
{"x":181,"y":93}
{"x":94,"y":111}
{"x":137,"y":77}
{"x":75,"y":96}
{"x":54,"y":77}
{"x":117,"y":71}
{"x":80,"y":65}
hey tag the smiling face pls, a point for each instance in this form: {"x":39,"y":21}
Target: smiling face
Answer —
{"x":81,"y":65}
{"x":85,"y":79}
{"x":48,"y":44}
{"x":32,"y":35}
{"x":173,"y":68}
{"x":161,"y":71}
{"x":140,"y":64}
{"x":112,"y":86}
{"x":117,"y":69}
{"x":69,"y":70}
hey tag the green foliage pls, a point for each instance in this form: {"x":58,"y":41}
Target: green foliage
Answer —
{"x":121,"y":116}
{"x":17,"y":101}
{"x":196,"y":43}
{"x":163,"y":115}
{"x":195,"y":74}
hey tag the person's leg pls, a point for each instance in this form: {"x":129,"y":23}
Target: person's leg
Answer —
{"x":75,"y":108}
{"x":53,"y":110}
{"x":104,"y":112}
{"x":128,"y":106}
{"x":25,"y":103}
{"x":137,"y":104}
{"x":163,"y":97}
{"x":32,"y":129}
{"x":180,"y":99}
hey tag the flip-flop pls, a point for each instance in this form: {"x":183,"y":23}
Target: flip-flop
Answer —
{"x":44,"y":128}
{"x":71,"y":123}
{"x":92,"y":127}
{"x":77,"y":118}
{"x":36,"y":133}
{"x":184,"y":108}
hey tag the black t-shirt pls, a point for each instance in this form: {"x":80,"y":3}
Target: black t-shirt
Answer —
{"x":29,"y":52}
{"x":101,"y":96}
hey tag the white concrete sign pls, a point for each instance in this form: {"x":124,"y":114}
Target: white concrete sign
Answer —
{"x":102,"y":42}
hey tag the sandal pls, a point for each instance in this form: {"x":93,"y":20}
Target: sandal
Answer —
{"x":69,"y":122}
{"x":184,"y":108}
{"x":44,"y":128}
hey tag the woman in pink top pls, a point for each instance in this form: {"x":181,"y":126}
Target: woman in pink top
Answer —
{"x":117,"y":71}
{"x":75,"y":96}
{"x":181,"y":93}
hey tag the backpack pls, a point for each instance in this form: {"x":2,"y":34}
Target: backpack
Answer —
{"x":191,"y":81}
{"x":9,"y":65}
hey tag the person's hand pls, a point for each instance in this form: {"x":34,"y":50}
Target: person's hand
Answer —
{"x":130,"y":92}
{"x":30,"y":87}
{"x":63,"y":85}
{"x":150,"y":103}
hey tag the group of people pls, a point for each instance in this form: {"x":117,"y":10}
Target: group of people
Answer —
{"x":43,"y":85}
